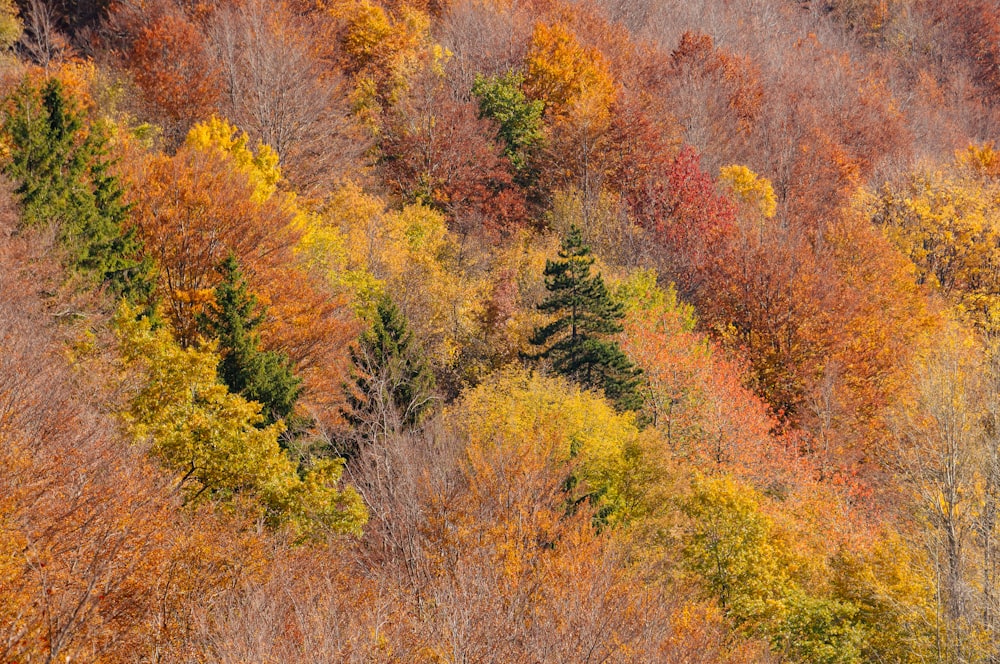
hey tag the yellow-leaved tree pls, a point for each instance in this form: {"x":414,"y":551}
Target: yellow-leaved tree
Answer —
{"x":567,"y":425}
{"x":215,"y":441}
{"x":947,"y":221}
{"x":259,"y":165}
{"x":409,"y":254}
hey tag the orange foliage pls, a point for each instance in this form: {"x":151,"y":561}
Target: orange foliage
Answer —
{"x":192,"y":210}
{"x":171,"y":64}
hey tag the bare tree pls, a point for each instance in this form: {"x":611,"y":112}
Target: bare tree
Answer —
{"x":42,"y":39}
{"x":277,"y":91}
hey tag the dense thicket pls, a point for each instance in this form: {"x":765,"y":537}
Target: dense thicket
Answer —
{"x":476,"y":330}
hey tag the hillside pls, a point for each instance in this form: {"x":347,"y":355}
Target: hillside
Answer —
{"x":500,"y":331}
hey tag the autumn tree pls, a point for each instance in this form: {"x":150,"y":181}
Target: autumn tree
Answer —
{"x":195,"y":209}
{"x":437,"y":150}
{"x":168,"y":53}
{"x":945,"y":451}
{"x":735,"y":547}
{"x":578,"y":89}
{"x":276,"y":88}
{"x":215,"y":442}
{"x":218,"y":195}
{"x":947,"y":222}
{"x":577,"y":340}
{"x":11,"y":25}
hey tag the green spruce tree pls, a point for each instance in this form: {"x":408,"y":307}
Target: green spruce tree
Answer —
{"x":255,"y":374}
{"x":576,"y":342}
{"x":63,"y":173}
{"x":393,"y":384}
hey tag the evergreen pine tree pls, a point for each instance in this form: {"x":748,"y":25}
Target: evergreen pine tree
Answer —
{"x":393,"y":383}
{"x":576,"y":341}
{"x":62,"y":170}
{"x":257,"y":375}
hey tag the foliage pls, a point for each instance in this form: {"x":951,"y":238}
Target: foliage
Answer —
{"x":577,"y":340}
{"x":11,"y":25}
{"x":577,"y":430}
{"x":260,"y":166}
{"x":372,"y":192}
{"x":63,"y":170}
{"x":519,"y":120}
{"x":234,"y":318}
{"x":174,"y":69}
{"x":381,"y":51}
{"x":370,"y":251}
{"x":946,"y":222}
{"x":738,"y":551}
{"x":213,"y":441}
{"x":750,"y":188}
{"x":571,"y":79}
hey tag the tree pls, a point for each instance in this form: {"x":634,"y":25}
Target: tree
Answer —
{"x":576,"y":341}
{"x":234,"y":318}
{"x":62,"y":167}
{"x":393,"y":383}
{"x":439,"y":151}
{"x":277,"y":90}
{"x":215,"y":442}
{"x":519,"y":119}
{"x":11,"y":25}
{"x":174,"y":69}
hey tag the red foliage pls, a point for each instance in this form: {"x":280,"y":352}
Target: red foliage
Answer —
{"x":438,"y":150}
{"x":171,"y":64}
{"x":688,"y":217}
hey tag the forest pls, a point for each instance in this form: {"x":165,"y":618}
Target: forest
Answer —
{"x":461,"y":331}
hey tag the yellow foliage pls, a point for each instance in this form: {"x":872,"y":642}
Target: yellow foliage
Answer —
{"x":383,"y":51}
{"x":410,"y":254}
{"x":980,"y":159}
{"x":573,"y":81}
{"x":260,"y":166}
{"x":948,"y":223}
{"x":213,"y":439}
{"x":893,"y":585}
{"x":11,"y":25}
{"x":750,"y":188}
{"x":558,"y":420}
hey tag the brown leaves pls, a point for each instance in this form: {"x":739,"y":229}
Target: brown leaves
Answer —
{"x":172,"y":66}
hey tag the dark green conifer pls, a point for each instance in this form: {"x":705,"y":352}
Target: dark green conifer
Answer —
{"x":393,"y":384}
{"x":63,"y":174}
{"x":234,"y":319}
{"x":576,"y":341}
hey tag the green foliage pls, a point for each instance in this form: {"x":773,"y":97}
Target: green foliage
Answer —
{"x":586,"y":313}
{"x":216,"y":441}
{"x":393,"y":382}
{"x":257,"y":375}
{"x":64,"y":178}
{"x":738,"y":552}
{"x":822,"y":631}
{"x":519,"y":119}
